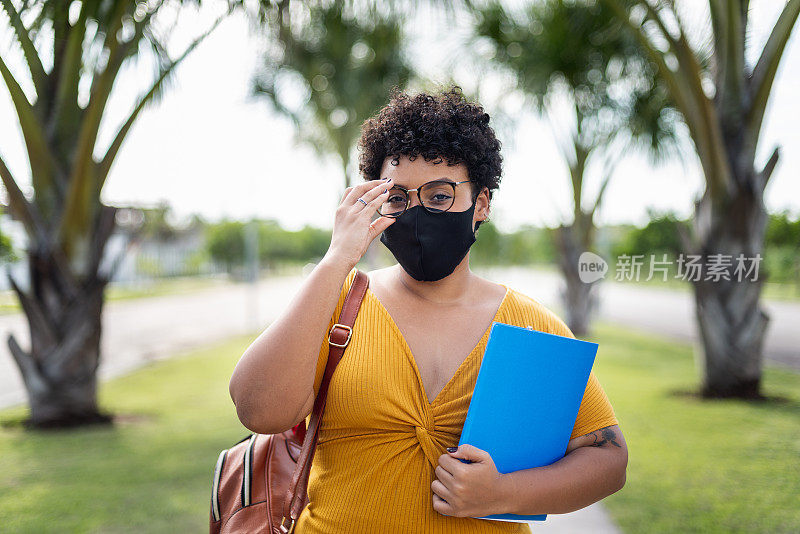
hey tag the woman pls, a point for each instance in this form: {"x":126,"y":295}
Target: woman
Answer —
{"x":386,"y":460}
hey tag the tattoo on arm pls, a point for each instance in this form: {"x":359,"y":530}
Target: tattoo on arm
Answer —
{"x":602,"y":436}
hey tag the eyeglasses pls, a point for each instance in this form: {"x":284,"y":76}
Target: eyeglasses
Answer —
{"x":435,"y":196}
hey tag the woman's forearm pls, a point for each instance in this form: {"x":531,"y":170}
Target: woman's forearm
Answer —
{"x":274,"y":377}
{"x":582,"y":477}
{"x":272,"y":385}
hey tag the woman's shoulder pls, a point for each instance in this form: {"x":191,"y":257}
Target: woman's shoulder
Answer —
{"x":524,"y":310}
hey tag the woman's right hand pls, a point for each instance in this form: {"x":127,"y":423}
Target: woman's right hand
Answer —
{"x":353,"y":228}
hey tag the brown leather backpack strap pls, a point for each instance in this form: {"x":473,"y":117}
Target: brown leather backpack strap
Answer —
{"x":338,"y":338}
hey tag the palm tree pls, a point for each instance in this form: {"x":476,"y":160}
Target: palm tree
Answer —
{"x":347,"y":65}
{"x":87,"y":43}
{"x":722,"y":98}
{"x":575,"y":52}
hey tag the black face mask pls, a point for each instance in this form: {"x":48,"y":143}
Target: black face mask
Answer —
{"x":428,"y":245}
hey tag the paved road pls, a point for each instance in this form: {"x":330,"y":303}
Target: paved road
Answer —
{"x":141,"y":330}
{"x":138,"y":331}
{"x":661,"y":311}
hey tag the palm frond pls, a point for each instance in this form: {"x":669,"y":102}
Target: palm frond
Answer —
{"x":26,"y":42}
{"x":149,"y":97}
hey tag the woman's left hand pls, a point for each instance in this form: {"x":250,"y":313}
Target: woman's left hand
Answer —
{"x":467,"y":489}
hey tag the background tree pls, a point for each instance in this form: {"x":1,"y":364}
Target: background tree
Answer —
{"x":658,"y":237}
{"x":782,"y":257}
{"x":576,"y":52}
{"x":87,"y":43}
{"x":723,"y":99}
{"x":345,"y":64}
{"x":6,"y":247}
{"x":226,"y":243}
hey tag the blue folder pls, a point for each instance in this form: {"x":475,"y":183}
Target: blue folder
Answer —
{"x":526,"y":399}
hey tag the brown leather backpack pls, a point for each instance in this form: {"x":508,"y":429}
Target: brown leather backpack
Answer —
{"x":260,"y":483}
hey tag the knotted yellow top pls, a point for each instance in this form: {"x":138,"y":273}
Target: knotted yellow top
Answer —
{"x":380,"y":437}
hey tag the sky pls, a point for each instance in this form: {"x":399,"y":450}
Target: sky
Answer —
{"x":208,"y":147}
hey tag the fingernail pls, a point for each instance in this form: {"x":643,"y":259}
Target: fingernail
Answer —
{"x":452,"y":449}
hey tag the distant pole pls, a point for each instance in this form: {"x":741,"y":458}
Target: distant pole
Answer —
{"x":251,"y":255}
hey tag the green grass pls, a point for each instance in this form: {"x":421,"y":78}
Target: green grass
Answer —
{"x":695,"y":466}
{"x":150,"y":474}
{"x":698,"y":466}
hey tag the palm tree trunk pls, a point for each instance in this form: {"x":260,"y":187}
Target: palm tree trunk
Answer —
{"x":731,"y":321}
{"x":60,"y":369}
{"x":64,"y":315}
{"x":579,"y":298}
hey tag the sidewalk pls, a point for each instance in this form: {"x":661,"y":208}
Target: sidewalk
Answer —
{"x":593,"y":519}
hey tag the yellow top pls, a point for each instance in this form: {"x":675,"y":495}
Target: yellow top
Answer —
{"x":380,"y":438}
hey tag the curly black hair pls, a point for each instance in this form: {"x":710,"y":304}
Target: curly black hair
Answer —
{"x":443,"y":126}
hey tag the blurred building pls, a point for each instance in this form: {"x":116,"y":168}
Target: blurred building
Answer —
{"x":162,"y":249}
